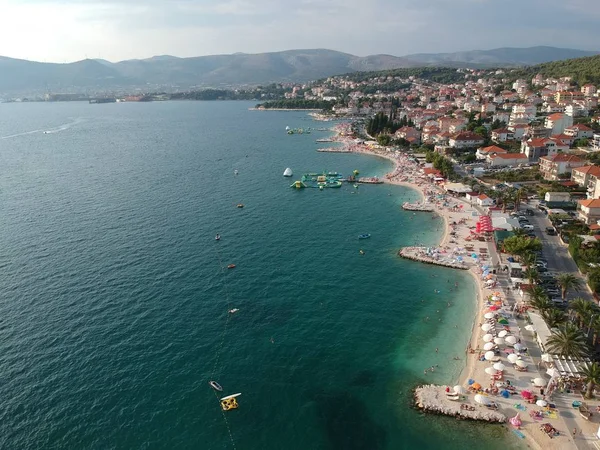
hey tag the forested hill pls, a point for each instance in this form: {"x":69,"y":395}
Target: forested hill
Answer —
{"x":583,"y":70}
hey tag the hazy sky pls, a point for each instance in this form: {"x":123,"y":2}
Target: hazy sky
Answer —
{"x":70,"y":30}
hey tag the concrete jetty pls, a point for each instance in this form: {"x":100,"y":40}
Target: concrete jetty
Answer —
{"x":334,"y":150}
{"x":417,"y":207}
{"x":434,"y":399}
{"x":420,"y":254}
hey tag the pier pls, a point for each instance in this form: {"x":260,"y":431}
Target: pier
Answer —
{"x":417,"y":207}
{"x":434,"y":399}
{"x":334,"y":150}
{"x":420,"y":254}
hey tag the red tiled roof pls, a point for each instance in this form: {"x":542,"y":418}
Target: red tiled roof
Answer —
{"x":581,"y":127}
{"x":562,"y":157}
{"x":592,"y":170}
{"x":501,"y":130}
{"x":510,"y":156}
{"x":492,"y":149}
{"x":591,"y":203}
{"x":538,"y":142}
{"x":556,"y":116}
{"x":467,"y":136}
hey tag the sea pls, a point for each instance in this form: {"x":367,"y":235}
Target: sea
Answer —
{"x":115,"y":294}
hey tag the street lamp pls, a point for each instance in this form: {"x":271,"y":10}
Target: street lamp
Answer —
{"x":590,"y":326}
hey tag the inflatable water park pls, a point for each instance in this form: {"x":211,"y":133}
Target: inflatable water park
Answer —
{"x":322,"y":180}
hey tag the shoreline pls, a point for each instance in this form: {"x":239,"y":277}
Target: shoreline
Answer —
{"x":407,"y":177}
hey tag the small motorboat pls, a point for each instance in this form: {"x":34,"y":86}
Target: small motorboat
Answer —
{"x":361,"y":252}
{"x":216,"y":386}
{"x":240,"y":205}
{"x":364,"y":236}
{"x":235,"y":172}
{"x":218,"y":237}
{"x":229,"y":402}
{"x":288,"y":172}
{"x":231,"y":266}
{"x":233,"y":311}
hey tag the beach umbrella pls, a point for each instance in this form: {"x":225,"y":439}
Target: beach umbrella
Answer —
{"x":521,"y":363}
{"x":539,"y":382}
{"x":510,"y":340}
{"x":546,"y":357}
{"x":489,"y":282}
{"x":470,"y":381}
{"x":518,"y":347}
{"x":482,"y":399}
{"x":494,"y":308}
{"x":490,"y":371}
{"x":503,"y":321}
{"x":530,"y":328}
{"x":495,"y":298}
{"x":515,"y":421}
{"x":505,"y":393}
{"x":476,"y":386}
{"x":553,"y":372}
{"x":489,"y":356}
{"x":526,"y":394}
{"x":498,"y":340}
{"x":499,"y":366}
{"x":512,"y":358}
{"x":541,"y":403}
{"x":488,"y":346}
{"x":488,"y":337}
{"x":489,"y":315}
{"x":502,"y":333}
{"x":459,"y":390}
{"x":486,"y":327}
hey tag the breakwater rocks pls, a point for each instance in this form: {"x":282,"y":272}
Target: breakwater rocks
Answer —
{"x":434,"y":399}
{"x":420,"y":254}
{"x":417,"y":207}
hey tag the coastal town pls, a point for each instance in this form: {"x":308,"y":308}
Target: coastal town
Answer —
{"x":513,"y":172}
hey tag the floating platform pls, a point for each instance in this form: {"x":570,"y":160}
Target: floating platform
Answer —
{"x":369,"y":180}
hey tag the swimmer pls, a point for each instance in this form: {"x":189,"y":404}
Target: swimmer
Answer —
{"x":272,"y":340}
{"x":436,"y":349}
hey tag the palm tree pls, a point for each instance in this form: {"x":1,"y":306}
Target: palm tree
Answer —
{"x":568,"y":340}
{"x":536,"y":293}
{"x":541,"y":303}
{"x":521,"y":194}
{"x":531,"y":274}
{"x":582,"y":310}
{"x":528,"y":258}
{"x":595,"y":325}
{"x":591,"y":374}
{"x":568,"y":281}
{"x":553,"y":317}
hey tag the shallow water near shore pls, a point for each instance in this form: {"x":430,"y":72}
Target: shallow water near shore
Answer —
{"x":114,"y":313}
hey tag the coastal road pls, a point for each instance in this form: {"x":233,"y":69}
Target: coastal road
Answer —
{"x":555,"y":252}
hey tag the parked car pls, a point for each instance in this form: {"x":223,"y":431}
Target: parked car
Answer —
{"x":551,"y":231}
{"x":527,"y":226}
{"x":529,"y":212}
{"x":542,"y":269}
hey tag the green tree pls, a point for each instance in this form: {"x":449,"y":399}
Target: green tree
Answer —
{"x":531,"y":274}
{"x":553,"y":317}
{"x":568,"y":281}
{"x":519,"y":245}
{"x":568,"y":341}
{"x":581,"y":310}
{"x":384,"y":139}
{"x":591,"y":375}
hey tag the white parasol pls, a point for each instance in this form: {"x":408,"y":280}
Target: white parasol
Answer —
{"x":458,"y":389}
{"x":486,"y":327}
{"x":495,"y":298}
{"x":541,"y":403}
{"x":489,"y":315}
{"x":518,"y":347}
{"x":539,"y":382}
{"x":490,"y":371}
{"x":512,"y":358}
{"x":499,"y":366}
{"x":499,"y":341}
{"x":521,"y":363}
{"x":511,"y":340}
{"x":546,"y":357}
{"x":488,"y":337}
{"x":502,"y":333}
{"x":530,"y":328}
{"x":488,"y":346}
{"x":489,"y":356}
{"x":481,"y":399}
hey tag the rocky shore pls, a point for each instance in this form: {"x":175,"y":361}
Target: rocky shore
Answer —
{"x":419,"y":254}
{"x":434,"y":399}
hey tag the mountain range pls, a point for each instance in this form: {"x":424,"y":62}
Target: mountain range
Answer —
{"x":241,"y":69}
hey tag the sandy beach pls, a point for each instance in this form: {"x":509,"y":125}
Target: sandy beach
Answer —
{"x":459,"y":241}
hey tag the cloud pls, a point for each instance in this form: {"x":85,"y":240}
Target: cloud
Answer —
{"x":61,"y":30}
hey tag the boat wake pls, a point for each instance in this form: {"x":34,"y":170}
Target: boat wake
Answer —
{"x":57,"y":129}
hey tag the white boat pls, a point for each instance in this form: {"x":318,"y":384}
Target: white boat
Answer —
{"x":231,"y":396}
{"x":233,"y":311}
{"x":235,"y":172}
{"x":288,"y":172}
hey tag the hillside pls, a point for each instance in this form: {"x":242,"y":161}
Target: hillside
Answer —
{"x":504,"y":56}
{"x":583,"y":70}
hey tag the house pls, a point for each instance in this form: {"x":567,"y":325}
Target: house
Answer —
{"x":484,"y":200}
{"x":411,"y":134}
{"x":518,"y":130}
{"x":507,"y":159}
{"x":568,"y":96}
{"x":482,"y":153}
{"x":557,"y":122}
{"x":588,"y":90}
{"x":579,"y":131}
{"x":564,"y":139}
{"x":582,"y":175}
{"x":552,"y":167}
{"x":502,"y":135}
{"x":596,"y":142}
{"x":576,"y":110}
{"x":538,"y":147}
{"x":589,"y":210}
{"x":465,"y":139}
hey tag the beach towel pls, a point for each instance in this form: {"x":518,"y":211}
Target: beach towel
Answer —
{"x":518,"y":433}
{"x":521,"y":407}
{"x":551,"y":414}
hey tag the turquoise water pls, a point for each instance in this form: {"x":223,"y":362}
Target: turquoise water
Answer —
{"x":113,"y":314}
